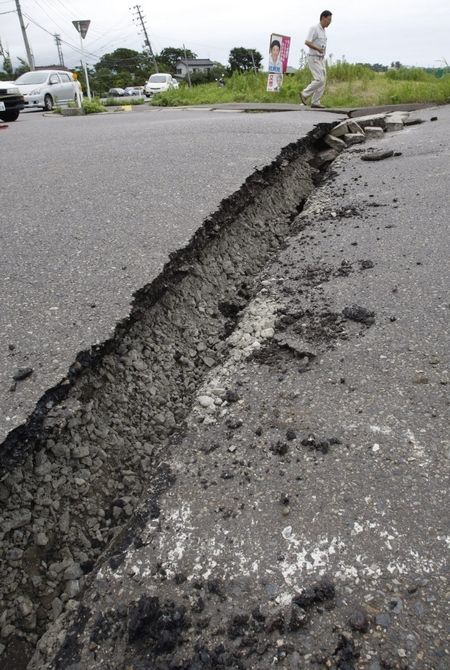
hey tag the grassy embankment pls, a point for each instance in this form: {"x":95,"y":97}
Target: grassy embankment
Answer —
{"x":347,"y":86}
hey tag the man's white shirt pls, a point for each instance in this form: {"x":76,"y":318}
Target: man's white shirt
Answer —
{"x":318,"y":37}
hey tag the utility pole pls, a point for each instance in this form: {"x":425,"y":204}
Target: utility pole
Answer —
{"x":25,"y":37}
{"x":187,"y":66}
{"x":139,"y":17}
{"x":82,"y":27}
{"x":60,"y":53}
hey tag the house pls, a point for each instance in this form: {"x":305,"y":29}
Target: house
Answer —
{"x":185,"y":65}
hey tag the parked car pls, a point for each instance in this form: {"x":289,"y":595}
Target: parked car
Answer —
{"x":47,"y":88}
{"x":134,"y":90}
{"x":11,"y":101}
{"x":116,"y":92}
{"x":159,"y":83}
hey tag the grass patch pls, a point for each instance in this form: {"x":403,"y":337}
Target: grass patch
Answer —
{"x":347,"y":86}
{"x":93,"y":106}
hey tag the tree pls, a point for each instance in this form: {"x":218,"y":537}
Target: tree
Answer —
{"x":215,"y":73}
{"x":23,"y":67}
{"x":122,"y":67}
{"x":134,"y":63}
{"x":102,"y":80}
{"x":244,"y":60}
{"x":7,"y":64}
{"x":169,"y":56}
{"x":376,"y":67}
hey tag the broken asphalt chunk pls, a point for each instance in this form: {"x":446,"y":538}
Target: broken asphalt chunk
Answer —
{"x":358,"y":620}
{"x":317,"y":593}
{"x":354,"y":138}
{"x":280,"y":448}
{"x":360,"y":314}
{"x":366,"y":264}
{"x":22,"y":373}
{"x":413,"y":122}
{"x":299,"y":348}
{"x":322,"y":158}
{"x":374,"y":132}
{"x":231,"y":396}
{"x":377,"y":155}
{"x":335,"y":142}
{"x":322,"y":445}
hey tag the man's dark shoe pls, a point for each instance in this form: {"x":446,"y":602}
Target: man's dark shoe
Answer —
{"x":303,"y":99}
{"x":317,"y":106}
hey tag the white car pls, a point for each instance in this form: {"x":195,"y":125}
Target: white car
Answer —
{"x":159,"y":83}
{"x":47,"y":88}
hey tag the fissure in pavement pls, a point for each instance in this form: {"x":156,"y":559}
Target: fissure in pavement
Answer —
{"x":74,"y":473}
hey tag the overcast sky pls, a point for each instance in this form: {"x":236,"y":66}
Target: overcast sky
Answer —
{"x":413,"y":32}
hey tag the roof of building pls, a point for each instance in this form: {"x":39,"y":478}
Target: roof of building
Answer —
{"x":195,"y":61}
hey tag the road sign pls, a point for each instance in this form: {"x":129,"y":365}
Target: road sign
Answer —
{"x":82,"y":27}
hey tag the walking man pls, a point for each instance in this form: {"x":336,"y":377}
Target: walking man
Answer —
{"x":316,"y":42}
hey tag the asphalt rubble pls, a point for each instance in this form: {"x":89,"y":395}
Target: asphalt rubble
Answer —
{"x":292,"y":516}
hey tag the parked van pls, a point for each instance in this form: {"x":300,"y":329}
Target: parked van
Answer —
{"x":47,"y":88}
{"x":158,"y":83}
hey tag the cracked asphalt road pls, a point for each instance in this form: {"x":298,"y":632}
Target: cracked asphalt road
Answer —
{"x":330,"y":456}
{"x":91,"y":209}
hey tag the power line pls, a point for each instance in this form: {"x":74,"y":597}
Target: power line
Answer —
{"x":118,"y":39}
{"x":50,"y":17}
{"x":68,"y":44}
{"x":66,"y":15}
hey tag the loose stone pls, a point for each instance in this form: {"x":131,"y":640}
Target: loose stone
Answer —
{"x":22,"y":373}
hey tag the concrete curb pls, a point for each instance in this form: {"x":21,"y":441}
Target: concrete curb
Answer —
{"x":271,"y":107}
{"x":286,"y":107}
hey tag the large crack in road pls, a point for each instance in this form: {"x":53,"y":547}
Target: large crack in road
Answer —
{"x":73,"y":475}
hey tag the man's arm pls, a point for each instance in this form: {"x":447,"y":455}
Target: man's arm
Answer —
{"x":311,"y":45}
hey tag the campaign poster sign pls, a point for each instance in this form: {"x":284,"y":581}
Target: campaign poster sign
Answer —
{"x":274,"y":82}
{"x":279,"y":53}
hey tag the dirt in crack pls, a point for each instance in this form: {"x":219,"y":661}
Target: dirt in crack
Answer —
{"x":74,"y":474}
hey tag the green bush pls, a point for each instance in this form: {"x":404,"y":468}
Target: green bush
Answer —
{"x":343,"y":71}
{"x":93,"y":106}
{"x":409,"y":74}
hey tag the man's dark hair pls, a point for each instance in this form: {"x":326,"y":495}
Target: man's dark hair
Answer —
{"x":325,"y":13}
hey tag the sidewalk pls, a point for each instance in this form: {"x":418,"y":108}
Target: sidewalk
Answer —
{"x":305,"y":526}
{"x":287,"y":107}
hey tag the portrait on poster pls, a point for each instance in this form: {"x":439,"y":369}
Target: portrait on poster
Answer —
{"x":274,"y":82}
{"x":279,"y":46}
{"x":275,"y":64}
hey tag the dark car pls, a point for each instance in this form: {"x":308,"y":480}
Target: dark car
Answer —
{"x":116,"y":92}
{"x":11,"y":101}
{"x":134,"y":90}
